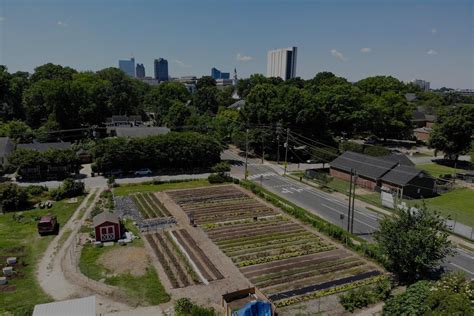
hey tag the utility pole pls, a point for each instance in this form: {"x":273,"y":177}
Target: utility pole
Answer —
{"x":278,"y":149}
{"x":349,"y":206}
{"x":246,"y":151}
{"x":263,"y":149}
{"x":353,"y":200}
{"x":286,"y":148}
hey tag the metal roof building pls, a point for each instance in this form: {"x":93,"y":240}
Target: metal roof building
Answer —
{"x":85,"y":306}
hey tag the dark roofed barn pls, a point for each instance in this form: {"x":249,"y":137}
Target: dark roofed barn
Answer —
{"x":414,"y":182}
{"x":42,"y":147}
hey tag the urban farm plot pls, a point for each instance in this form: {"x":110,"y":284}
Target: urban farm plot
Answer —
{"x":149,"y":205}
{"x":285,"y":260}
{"x":182,"y":260}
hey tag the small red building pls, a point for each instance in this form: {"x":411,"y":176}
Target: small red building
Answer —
{"x":107,"y":227}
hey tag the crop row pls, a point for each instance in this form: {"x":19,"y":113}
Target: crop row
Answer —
{"x":242,"y":243}
{"x":158,"y":205}
{"x":149,"y":205}
{"x":182,"y":275}
{"x":163,"y":262}
{"x":183,"y":259}
{"x":329,"y":291}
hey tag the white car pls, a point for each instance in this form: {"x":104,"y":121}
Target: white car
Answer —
{"x":143,"y":172}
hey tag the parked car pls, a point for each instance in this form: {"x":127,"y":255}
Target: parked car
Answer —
{"x":115,"y":173}
{"x":48,"y":224}
{"x":143,"y":172}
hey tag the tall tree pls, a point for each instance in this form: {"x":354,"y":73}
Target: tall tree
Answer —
{"x":51,"y":71}
{"x":453,"y":130}
{"x":415,"y":242}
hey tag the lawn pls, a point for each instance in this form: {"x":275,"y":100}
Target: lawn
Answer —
{"x":436,"y":170}
{"x":143,"y":290}
{"x":125,"y":189}
{"x":22,"y":236}
{"x":459,"y":204}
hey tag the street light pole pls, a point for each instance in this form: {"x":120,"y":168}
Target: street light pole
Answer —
{"x":246,"y":151}
{"x":349,"y":205}
{"x":286,"y":148}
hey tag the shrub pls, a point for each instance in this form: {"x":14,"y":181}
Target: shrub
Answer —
{"x":184,"y":307}
{"x":376,"y":151}
{"x":365,"y":295}
{"x":12,"y":197}
{"x":351,"y":146}
{"x":36,"y":190}
{"x":412,"y":302}
{"x":219,"y":178}
{"x":221,"y":167}
{"x":68,"y":189}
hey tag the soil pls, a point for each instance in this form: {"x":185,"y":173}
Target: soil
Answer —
{"x":124,"y":260}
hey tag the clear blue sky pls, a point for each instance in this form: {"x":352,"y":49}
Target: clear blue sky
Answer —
{"x":408,"y":39}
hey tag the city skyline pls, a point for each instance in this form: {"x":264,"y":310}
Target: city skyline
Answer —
{"x":407,"y":40}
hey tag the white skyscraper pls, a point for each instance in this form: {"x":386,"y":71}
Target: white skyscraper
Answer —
{"x":282,"y":63}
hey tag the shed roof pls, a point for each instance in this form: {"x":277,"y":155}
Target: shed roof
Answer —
{"x":42,"y":147}
{"x":77,"y":307}
{"x":237,"y":105}
{"x":139,"y":131}
{"x":399,"y":158}
{"x":402,"y":175}
{"x":105,"y":217}
{"x":365,"y":166}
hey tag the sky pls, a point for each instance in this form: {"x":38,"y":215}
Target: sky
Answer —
{"x":424,"y":39}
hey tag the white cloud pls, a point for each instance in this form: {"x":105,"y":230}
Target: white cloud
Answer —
{"x":432,"y":52}
{"x":434,"y":30}
{"x":243,"y":57}
{"x":2,"y":18}
{"x":181,"y":64}
{"x":338,"y":55}
{"x":366,"y":50}
{"x":62,"y":24}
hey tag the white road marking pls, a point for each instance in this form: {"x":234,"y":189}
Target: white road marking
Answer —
{"x":355,"y":219}
{"x":462,"y":268}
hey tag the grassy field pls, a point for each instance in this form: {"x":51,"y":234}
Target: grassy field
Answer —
{"x":459,"y":204}
{"x":143,"y":290}
{"x":125,"y":189}
{"x":20,"y":237}
{"x":435,"y":169}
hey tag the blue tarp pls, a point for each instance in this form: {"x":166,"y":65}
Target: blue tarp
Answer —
{"x":257,"y":308}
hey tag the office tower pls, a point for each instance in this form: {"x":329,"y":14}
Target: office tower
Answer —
{"x":217,"y":74}
{"x":282,"y":63}
{"x":140,"y":71}
{"x":161,"y":69}
{"x":128,"y":66}
{"x":424,"y":85}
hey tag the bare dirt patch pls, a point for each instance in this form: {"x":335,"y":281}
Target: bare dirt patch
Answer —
{"x":124,"y":260}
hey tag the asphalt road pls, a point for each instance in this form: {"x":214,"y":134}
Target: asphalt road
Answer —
{"x":330,"y":208}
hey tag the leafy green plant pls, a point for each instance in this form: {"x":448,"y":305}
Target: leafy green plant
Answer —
{"x":365,"y":295}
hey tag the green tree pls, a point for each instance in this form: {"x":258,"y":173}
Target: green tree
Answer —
{"x":206,"y":99}
{"x":415,"y":242}
{"x":379,"y":84}
{"x":160,"y":98}
{"x":12,"y":197}
{"x":205,"y":82}
{"x":19,"y":131}
{"x":452,"y":132}
{"x":177,"y":114}
{"x":52,"y":72}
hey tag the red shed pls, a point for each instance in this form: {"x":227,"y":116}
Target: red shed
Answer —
{"x":107,"y":227}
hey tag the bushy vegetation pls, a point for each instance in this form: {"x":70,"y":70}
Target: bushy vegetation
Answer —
{"x":185,"y":307}
{"x":452,"y":295}
{"x":185,"y":151}
{"x":36,"y":165}
{"x":68,"y":189}
{"x":12,"y":197}
{"x":365,"y":295}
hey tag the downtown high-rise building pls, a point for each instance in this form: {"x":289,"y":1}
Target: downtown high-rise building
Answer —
{"x":140,"y":71}
{"x":282,"y":63}
{"x":217,"y":74}
{"x":423,"y":84}
{"x":127,"y":66}
{"x":161,"y":69}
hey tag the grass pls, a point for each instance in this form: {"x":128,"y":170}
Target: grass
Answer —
{"x":435,"y":169}
{"x":24,"y":234}
{"x":143,"y":290}
{"x":126,"y":189}
{"x":458,"y":204}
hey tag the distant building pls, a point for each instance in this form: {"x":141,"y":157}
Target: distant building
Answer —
{"x":161,"y":69}
{"x":222,"y":83}
{"x":217,"y":74}
{"x":191,"y":87}
{"x":123,"y":120}
{"x":128,"y":66}
{"x":136,"y":131}
{"x":149,"y":80}
{"x":424,"y":85}
{"x":140,"y":71}
{"x":42,"y":147}
{"x":187,"y":79}
{"x":282,"y":63}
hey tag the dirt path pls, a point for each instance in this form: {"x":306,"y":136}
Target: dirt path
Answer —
{"x":50,"y":274}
